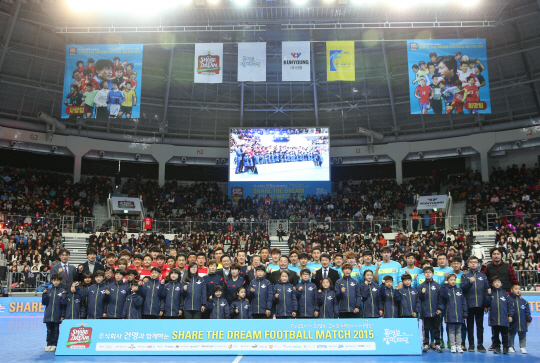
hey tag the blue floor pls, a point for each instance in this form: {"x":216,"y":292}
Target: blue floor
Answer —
{"x":23,"y":340}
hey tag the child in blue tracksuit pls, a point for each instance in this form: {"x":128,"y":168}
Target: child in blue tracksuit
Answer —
{"x":72,"y":302}
{"x":260,"y":294}
{"x":51,"y":299}
{"x":285,"y":298}
{"x":501,"y":311}
{"x":117,"y":291}
{"x":240,"y":307}
{"x":388,"y":299}
{"x":96,"y":297}
{"x":150,"y":291}
{"x":306,"y":295}
{"x":218,"y":305}
{"x":326,"y":301}
{"x":348,"y":294}
{"x":454,"y":303}
{"x":369,"y":292}
{"x":431,"y":315}
{"x":474,"y":285}
{"x":409,"y":305}
{"x":172,"y":295}
{"x":521,"y":320}
{"x":194,"y":301}
{"x":134,"y":303}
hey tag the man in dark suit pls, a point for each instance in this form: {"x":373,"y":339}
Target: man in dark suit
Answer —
{"x":69,"y":272}
{"x":325,"y":272}
{"x":283,"y":266}
{"x":250,"y":276}
{"x":91,"y":265}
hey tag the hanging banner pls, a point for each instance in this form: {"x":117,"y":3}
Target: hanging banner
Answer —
{"x":252,"y":62}
{"x":431,"y":202}
{"x":122,"y":204}
{"x":208,"y":63}
{"x":340,"y":61}
{"x":103,"y":80}
{"x":296,"y":63}
{"x":448,"y":76}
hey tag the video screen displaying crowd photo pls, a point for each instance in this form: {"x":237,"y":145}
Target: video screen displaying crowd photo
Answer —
{"x":279,"y":154}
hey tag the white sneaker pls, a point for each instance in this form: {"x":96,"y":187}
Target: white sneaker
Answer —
{"x":459,"y":349}
{"x":48,"y":348}
{"x":53,"y":348}
{"x":453,"y":349}
{"x":523,"y":351}
{"x":511,"y":350}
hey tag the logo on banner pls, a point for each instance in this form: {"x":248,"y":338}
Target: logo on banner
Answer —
{"x":478,"y":105}
{"x":72,"y":51}
{"x":79,"y":337}
{"x":432,"y":199}
{"x":414,"y":46}
{"x":208,"y":63}
{"x":125,"y":204}
{"x":341,"y":60}
{"x":76,"y":110}
{"x":237,"y":192}
{"x":250,"y":62}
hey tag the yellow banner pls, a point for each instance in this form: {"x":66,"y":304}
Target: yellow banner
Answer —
{"x":340,"y":61}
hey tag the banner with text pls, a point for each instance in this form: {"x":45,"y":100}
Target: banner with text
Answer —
{"x":89,"y":67}
{"x":340,"y":61}
{"x":21,"y":306}
{"x":431,"y":202}
{"x":448,"y":76}
{"x":252,"y":62}
{"x":250,"y":337}
{"x":120,"y":204}
{"x":279,"y":190}
{"x":208,"y":63}
{"x":296,"y":66}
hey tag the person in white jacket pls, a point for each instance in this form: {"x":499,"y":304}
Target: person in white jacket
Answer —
{"x":100,"y":100}
{"x":478,"y":251}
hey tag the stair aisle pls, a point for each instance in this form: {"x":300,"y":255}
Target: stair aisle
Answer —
{"x":76,"y":244}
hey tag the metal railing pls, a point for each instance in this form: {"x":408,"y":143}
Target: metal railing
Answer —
{"x":9,"y":220}
{"x":512,"y":219}
{"x":22,"y":282}
{"x":528,"y":278}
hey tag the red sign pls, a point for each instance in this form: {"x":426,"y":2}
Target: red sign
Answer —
{"x":208,"y":63}
{"x":76,"y":110}
{"x":79,"y":337}
{"x":200,"y":151}
{"x":414,"y":46}
{"x":72,"y":51}
{"x":473,"y":106}
{"x":237,"y":192}
{"x":125,"y":204}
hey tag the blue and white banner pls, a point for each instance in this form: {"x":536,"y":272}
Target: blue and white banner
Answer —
{"x":279,"y":190}
{"x":252,"y":62}
{"x":296,"y":62}
{"x":21,"y":307}
{"x":247,"y":337}
{"x":448,"y":76}
{"x":89,"y":66}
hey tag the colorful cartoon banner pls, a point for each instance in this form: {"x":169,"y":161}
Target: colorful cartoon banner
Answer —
{"x":103,"y":80}
{"x":252,"y":62}
{"x":208,"y":63}
{"x":448,"y":76}
{"x":296,"y":62}
{"x":250,"y":337}
{"x":340,"y":61}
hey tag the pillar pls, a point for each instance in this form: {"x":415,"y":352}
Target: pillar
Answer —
{"x":77,"y":168}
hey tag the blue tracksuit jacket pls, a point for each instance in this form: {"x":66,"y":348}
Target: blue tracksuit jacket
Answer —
{"x":429,"y":299}
{"x":389,"y":302}
{"x":171,"y":298}
{"x":262,"y":298}
{"x":244,"y":309}
{"x":195,"y":296}
{"x":454,"y":304}
{"x":286,"y":302}
{"x":219,"y":308}
{"x":210,"y":281}
{"x":350,"y":299}
{"x":328,"y":304}
{"x":52,"y":300}
{"x":96,"y":301}
{"x":73,"y":304}
{"x":150,"y":293}
{"x":231,"y":287}
{"x":133,"y":306}
{"x":409,"y":303}
{"x":476,"y":291}
{"x":522,"y":313}
{"x":370,"y":298}
{"x":116,"y":299}
{"x":307,"y":299}
{"x":500,"y":307}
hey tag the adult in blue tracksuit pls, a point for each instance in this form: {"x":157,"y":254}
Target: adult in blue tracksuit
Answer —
{"x":389,"y":299}
{"x":172,"y":295}
{"x":240,"y":309}
{"x":231,"y":285}
{"x":72,"y":302}
{"x":117,"y":292}
{"x":133,"y":305}
{"x":52,"y":299}
{"x":218,"y":305}
{"x":409,"y":305}
{"x":347,"y":292}
{"x":150,"y":292}
{"x":195,"y":297}
{"x":454,"y":304}
{"x":211,"y":280}
{"x":327,"y":303}
{"x":306,"y":295}
{"x":96,"y":298}
{"x":501,"y":311}
{"x":369,"y":292}
{"x":475,"y":285}
{"x":431,"y":315}
{"x":285,"y":298}
{"x":260,"y":293}
{"x":239,"y":160}
{"x":521,"y":320}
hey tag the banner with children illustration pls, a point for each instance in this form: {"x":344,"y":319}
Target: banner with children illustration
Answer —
{"x":102,"y":81}
{"x":251,"y":337}
{"x":448,"y":76}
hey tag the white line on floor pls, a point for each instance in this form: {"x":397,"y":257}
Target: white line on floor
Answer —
{"x":237,"y":359}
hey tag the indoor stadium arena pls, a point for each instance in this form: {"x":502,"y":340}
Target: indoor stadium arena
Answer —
{"x":357,"y":179}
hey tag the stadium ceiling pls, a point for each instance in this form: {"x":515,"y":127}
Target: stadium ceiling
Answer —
{"x":35,"y":34}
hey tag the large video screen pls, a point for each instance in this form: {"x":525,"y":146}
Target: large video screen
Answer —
{"x":279,"y":154}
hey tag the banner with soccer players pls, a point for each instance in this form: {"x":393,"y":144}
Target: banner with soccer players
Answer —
{"x":340,"y":61}
{"x":296,"y":62}
{"x":252,"y":62}
{"x":448,"y":76}
{"x":208,"y":63}
{"x":103,"y":81}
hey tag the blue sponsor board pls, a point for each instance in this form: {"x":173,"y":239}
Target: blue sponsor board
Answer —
{"x":279,"y":190}
{"x":21,"y":306}
{"x":251,"y":337}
